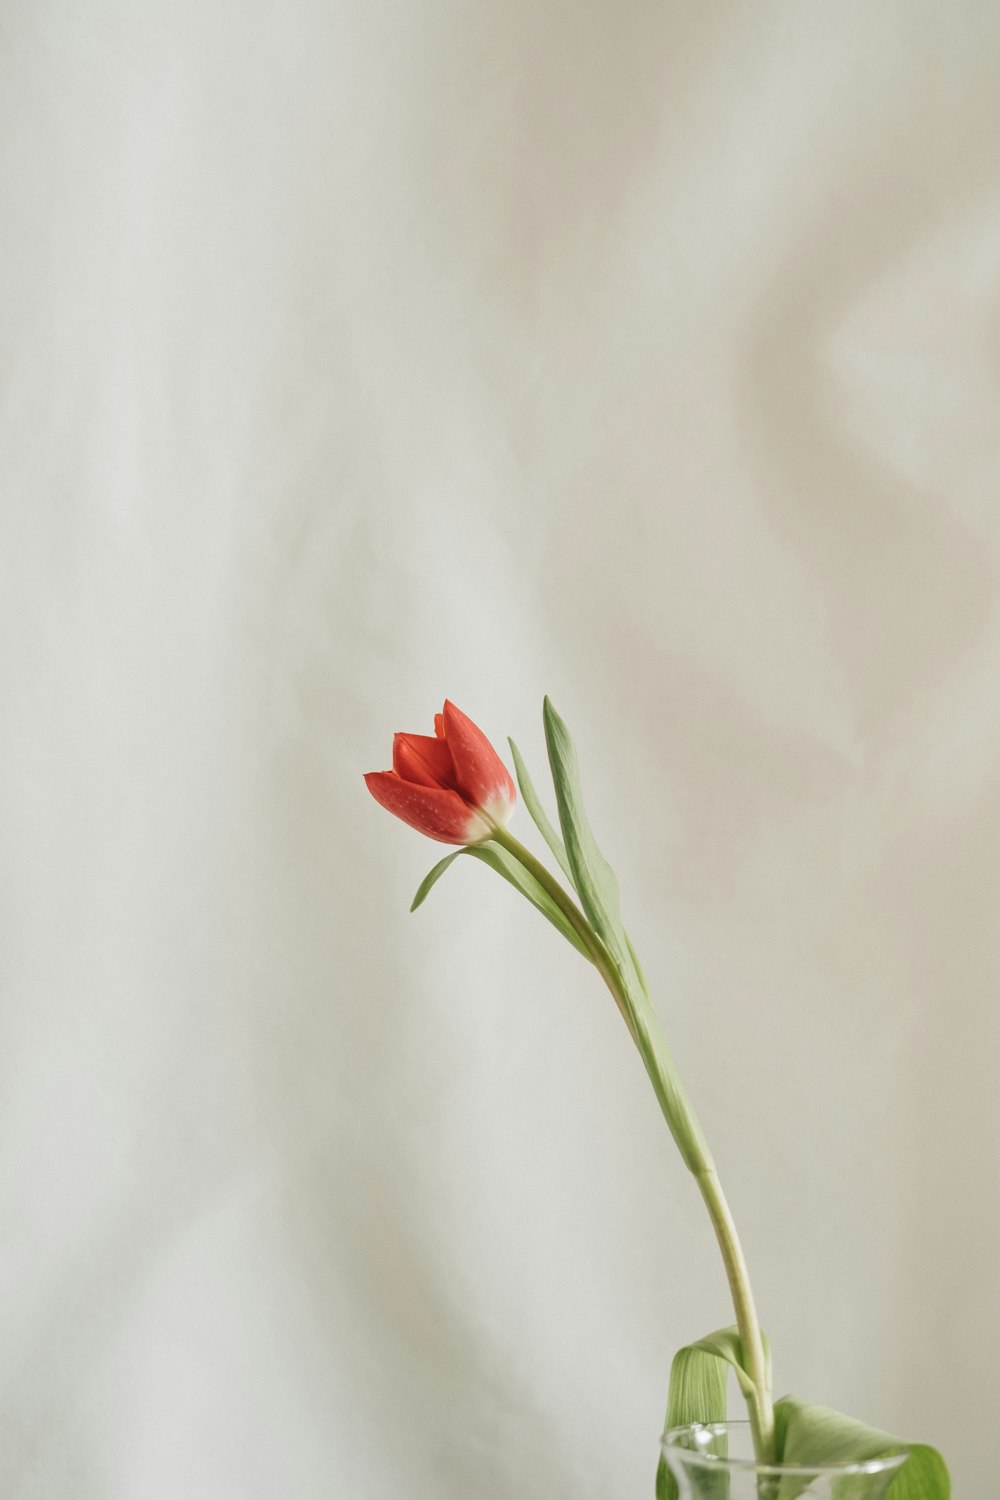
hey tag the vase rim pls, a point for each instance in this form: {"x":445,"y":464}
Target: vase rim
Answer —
{"x":750,"y":1465}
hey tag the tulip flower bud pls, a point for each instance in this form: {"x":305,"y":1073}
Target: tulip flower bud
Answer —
{"x":453,"y":786}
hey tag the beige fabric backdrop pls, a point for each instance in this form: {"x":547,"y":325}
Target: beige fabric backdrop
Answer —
{"x":359,"y":354}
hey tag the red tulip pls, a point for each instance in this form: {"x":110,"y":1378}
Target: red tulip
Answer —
{"x":454,"y":787}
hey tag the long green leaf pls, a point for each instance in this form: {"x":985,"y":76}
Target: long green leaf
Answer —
{"x":698,"y":1379}
{"x":597,"y":888}
{"x":539,"y":816}
{"x":813,"y":1435}
{"x":513,"y":871}
{"x":541,"y":820}
{"x":593,"y":877}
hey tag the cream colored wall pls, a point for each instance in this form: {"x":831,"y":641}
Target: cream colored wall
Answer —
{"x":356,"y":355}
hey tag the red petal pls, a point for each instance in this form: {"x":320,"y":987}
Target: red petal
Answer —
{"x":442,"y":815}
{"x":426,"y":761}
{"x":480,"y":774}
{"x":439,"y":726}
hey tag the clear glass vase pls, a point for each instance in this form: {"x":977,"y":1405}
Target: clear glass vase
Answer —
{"x":716,"y":1462}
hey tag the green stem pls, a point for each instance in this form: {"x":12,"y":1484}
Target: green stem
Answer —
{"x":760,"y":1405}
{"x":644,"y":1028}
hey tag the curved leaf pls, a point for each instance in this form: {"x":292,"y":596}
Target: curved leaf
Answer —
{"x":513,"y":871}
{"x":725,"y":1344}
{"x":432,"y":877}
{"x":810,"y":1434}
{"x":699,"y":1376}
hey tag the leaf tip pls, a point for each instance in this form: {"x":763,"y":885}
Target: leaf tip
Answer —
{"x":554,"y":726}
